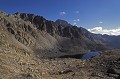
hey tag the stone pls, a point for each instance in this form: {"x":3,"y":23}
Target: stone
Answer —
{"x":65,"y":71}
{"x":11,"y":31}
{"x":113,"y":75}
{"x":113,"y":71}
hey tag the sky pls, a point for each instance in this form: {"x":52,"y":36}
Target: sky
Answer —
{"x":89,"y":14}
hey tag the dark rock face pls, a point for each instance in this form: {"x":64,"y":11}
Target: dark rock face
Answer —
{"x":59,"y":27}
{"x":62,"y":23}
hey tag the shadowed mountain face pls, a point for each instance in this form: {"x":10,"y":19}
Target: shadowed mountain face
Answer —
{"x":113,"y":41}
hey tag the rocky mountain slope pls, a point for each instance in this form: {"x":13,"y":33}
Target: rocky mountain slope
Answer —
{"x":30,"y":47}
{"x":38,"y":34}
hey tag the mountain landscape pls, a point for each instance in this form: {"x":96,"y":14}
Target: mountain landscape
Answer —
{"x":32,"y":47}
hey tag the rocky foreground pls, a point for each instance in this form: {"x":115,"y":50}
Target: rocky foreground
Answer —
{"x":32,"y":47}
{"x":21,"y":65}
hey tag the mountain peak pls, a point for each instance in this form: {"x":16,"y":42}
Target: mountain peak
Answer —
{"x":62,"y":22}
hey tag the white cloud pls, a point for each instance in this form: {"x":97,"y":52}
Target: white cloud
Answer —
{"x":100,"y":22}
{"x":75,"y":21}
{"x":100,"y":30}
{"x":62,"y":13}
{"x":77,"y":12}
{"x":78,"y":20}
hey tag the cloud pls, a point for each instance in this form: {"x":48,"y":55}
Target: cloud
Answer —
{"x":78,"y":20}
{"x":62,"y":13}
{"x":100,"y":22}
{"x":100,"y":30}
{"x":75,"y":21}
{"x":77,"y":12}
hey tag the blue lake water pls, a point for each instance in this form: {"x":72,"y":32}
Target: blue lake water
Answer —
{"x":90,"y":55}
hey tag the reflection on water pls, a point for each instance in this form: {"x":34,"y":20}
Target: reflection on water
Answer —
{"x":90,"y":55}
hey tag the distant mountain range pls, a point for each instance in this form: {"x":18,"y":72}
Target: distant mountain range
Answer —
{"x":54,"y":38}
